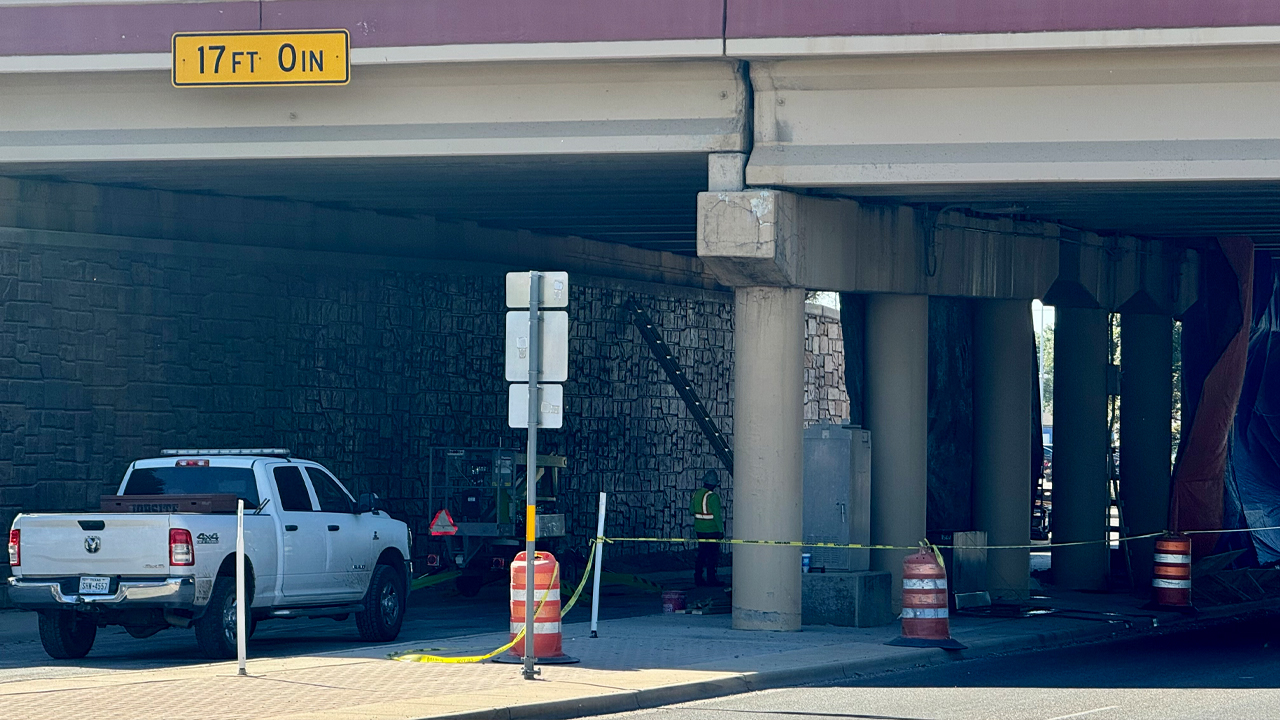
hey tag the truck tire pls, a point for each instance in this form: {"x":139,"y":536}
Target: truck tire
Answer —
{"x":66,"y":634}
{"x":216,"y":628}
{"x":384,"y":603}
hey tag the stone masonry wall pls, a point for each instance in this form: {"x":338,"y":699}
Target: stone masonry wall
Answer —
{"x":826,"y":399}
{"x":111,"y":354}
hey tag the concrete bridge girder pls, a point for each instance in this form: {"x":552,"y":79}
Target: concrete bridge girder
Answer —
{"x":34,"y":210}
{"x":778,"y":238}
{"x":457,"y":109}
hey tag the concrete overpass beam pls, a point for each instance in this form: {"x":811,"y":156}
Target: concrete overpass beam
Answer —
{"x":768,"y":423}
{"x":898,"y":417}
{"x":1146,"y":436}
{"x":1003,"y":382}
{"x":159,"y":218}
{"x":779,"y":238}
{"x":1080,"y":495}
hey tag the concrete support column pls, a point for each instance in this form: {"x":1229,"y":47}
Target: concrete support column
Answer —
{"x":897,"y":373}
{"x":1146,"y":438}
{"x":1002,"y":408}
{"x":768,"y":436}
{"x":1080,"y":495}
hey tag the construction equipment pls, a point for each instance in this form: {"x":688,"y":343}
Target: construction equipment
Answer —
{"x":476,"y":496}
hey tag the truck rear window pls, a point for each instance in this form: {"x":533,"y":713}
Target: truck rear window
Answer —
{"x":236,"y":481}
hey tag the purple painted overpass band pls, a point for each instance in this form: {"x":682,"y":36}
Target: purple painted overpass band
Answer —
{"x":394,"y":23}
{"x":141,"y":28}
{"x":813,"y":18}
{"x":57,"y":29}
{"x":115,"y":28}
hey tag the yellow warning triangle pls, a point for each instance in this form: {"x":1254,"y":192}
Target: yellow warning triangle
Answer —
{"x":443,"y":524}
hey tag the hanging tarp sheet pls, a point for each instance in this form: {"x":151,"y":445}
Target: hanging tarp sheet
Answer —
{"x":1255,"y":456}
{"x":1215,"y":341}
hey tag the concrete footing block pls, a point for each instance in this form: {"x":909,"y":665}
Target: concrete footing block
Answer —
{"x":856,"y":599}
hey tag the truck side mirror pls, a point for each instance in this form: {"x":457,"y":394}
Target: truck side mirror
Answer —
{"x":368,"y":503}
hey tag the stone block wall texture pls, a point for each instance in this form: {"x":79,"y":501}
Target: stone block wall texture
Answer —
{"x":109,"y":354}
{"x":826,"y":399}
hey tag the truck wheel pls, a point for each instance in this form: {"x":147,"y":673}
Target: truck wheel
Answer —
{"x":66,"y":634}
{"x":383,"y":611}
{"x":216,"y":629}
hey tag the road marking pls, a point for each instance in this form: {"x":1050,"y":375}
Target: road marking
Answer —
{"x":1086,"y":712}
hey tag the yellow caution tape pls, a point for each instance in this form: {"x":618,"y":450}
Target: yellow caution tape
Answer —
{"x":857,"y":546}
{"x":418,"y":656}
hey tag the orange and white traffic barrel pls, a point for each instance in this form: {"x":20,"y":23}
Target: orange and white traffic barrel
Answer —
{"x":926,"y":621}
{"x":1171,"y":577}
{"x":547,"y":640}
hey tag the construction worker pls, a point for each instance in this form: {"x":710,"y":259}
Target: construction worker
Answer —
{"x":708,"y":524}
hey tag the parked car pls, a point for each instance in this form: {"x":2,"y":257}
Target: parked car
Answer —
{"x":161,"y":553}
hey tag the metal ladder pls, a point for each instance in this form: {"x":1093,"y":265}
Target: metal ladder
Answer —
{"x":667,"y":361}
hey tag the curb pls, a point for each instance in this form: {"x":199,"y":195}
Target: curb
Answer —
{"x":791,"y":677}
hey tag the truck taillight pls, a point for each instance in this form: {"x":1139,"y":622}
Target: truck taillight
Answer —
{"x":181,"y":549}
{"x":15,"y":548}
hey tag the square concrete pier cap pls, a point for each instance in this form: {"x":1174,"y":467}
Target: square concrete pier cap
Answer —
{"x":748,"y":239}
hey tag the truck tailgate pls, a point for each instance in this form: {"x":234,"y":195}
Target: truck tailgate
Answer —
{"x":94,"y":544}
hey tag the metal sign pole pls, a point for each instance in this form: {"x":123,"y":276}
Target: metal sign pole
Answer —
{"x":531,"y":474}
{"x":595,"y":584}
{"x":240,"y":598}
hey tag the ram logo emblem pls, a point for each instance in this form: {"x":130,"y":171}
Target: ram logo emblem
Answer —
{"x":92,"y":544}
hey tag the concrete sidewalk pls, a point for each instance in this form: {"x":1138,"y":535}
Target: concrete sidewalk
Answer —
{"x":636,"y":663}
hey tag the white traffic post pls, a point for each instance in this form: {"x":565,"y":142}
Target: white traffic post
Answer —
{"x":531,"y":475}
{"x":595,"y":584}
{"x":240,"y":609}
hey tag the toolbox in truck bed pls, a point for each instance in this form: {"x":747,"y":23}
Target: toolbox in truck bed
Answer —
{"x":205,"y":504}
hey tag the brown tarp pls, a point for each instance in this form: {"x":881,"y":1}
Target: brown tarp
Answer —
{"x":1198,"y":476}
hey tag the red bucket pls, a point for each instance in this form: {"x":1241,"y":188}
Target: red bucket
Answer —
{"x":673,"y":601}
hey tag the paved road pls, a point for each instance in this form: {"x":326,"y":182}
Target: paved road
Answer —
{"x":1218,"y":674}
{"x":433,"y":614}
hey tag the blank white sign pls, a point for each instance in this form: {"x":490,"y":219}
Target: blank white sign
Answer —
{"x":555,"y":346}
{"x":552,"y":414}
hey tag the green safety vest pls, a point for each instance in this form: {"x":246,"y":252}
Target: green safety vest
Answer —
{"x":705,"y":507}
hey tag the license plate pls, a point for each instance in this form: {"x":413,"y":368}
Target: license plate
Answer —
{"x":95,"y":585}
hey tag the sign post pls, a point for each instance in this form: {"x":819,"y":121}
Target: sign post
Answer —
{"x":531,"y":475}
{"x":595,"y":584}
{"x":537,"y":350}
{"x":240,"y":598}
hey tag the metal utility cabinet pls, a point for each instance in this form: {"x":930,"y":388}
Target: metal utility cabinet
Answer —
{"x":837,"y":496}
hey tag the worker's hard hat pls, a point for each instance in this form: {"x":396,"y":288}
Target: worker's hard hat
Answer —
{"x":711,"y":479}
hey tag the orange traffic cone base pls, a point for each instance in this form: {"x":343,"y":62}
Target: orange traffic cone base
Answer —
{"x":515,"y":659}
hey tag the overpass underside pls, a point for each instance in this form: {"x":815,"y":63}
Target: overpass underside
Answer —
{"x":1092,"y":180}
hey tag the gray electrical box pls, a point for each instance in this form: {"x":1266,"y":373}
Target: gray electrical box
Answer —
{"x":837,"y":496}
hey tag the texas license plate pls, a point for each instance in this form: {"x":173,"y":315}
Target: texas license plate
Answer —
{"x":95,"y":585}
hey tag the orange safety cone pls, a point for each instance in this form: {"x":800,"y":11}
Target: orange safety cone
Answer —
{"x":546,"y":623}
{"x":1171,"y":575}
{"x":925,"y":618}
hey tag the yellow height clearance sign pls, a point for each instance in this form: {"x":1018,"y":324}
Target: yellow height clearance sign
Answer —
{"x":297,"y":57}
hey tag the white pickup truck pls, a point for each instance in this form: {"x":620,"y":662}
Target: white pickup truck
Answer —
{"x":162,"y":554}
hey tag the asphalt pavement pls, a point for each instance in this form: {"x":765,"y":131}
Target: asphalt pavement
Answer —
{"x":1219,"y":673}
{"x":433,"y":614}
